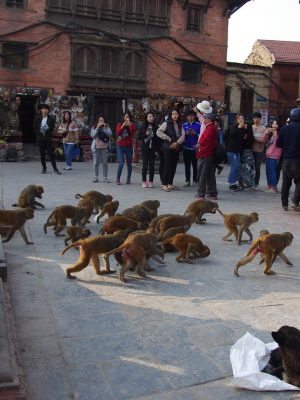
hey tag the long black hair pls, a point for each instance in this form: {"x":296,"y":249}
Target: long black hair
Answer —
{"x":70,"y":117}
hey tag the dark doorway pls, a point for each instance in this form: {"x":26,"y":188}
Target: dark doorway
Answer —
{"x":111,"y":109}
{"x":26,"y":112}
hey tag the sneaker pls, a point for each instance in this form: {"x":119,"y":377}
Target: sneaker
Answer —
{"x":128,"y":182}
{"x":295,"y":208}
{"x":285,"y":208}
{"x":144,"y":185}
{"x":67,"y":168}
{"x":187,"y":184}
{"x":106,"y":180}
{"x":241,"y":186}
{"x":95,"y":180}
{"x":57,"y":172}
{"x":44,"y":170}
{"x":151,"y":185}
{"x":234,"y":188}
{"x":118,"y":182}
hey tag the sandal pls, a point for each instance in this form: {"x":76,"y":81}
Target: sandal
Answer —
{"x":165,"y":188}
{"x":173,"y":187}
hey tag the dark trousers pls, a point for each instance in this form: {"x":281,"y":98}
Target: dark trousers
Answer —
{"x":161,"y":165}
{"x":189,"y":159}
{"x":258,"y":157}
{"x":206,"y":176}
{"x":170,"y":163}
{"x":46,"y":146}
{"x":148,"y":157}
{"x":290,"y":172}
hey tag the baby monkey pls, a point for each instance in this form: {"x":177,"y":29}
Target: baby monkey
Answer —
{"x":75,"y":233}
{"x":270,"y":245}
{"x":243,"y":221}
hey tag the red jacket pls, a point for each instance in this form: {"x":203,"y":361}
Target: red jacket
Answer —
{"x":208,"y":141}
{"x":127,"y":141}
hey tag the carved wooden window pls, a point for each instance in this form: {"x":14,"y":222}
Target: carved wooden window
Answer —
{"x":85,"y":60}
{"x":135,"y":10}
{"x":194,"y":18}
{"x":111,"y":8}
{"x":190,"y":72}
{"x":246,"y":106}
{"x":134,"y":65}
{"x":109,"y":61}
{"x":15,"y":3}
{"x":61,"y":5}
{"x":86,"y":7}
{"x":158,"y":11}
{"x":14,"y":55}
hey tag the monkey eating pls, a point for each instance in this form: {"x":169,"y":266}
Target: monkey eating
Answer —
{"x":98,"y":198}
{"x":90,"y":249}
{"x":75,"y":233}
{"x":16,"y":219}
{"x":200,"y":207}
{"x":243,"y":221}
{"x":270,"y":245}
{"x":189,"y":247}
{"x":28,"y":195}
{"x":58,"y":217}
{"x":109,"y":208}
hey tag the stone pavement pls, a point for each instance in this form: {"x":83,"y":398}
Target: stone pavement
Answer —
{"x":165,"y":337}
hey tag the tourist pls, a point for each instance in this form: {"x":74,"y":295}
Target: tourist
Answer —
{"x":273,"y":155}
{"x":69,"y":132}
{"x":258,"y":144}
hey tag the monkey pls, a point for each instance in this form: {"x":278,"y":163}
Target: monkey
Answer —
{"x":16,"y":219}
{"x":170,"y":233}
{"x":88,"y":204}
{"x":75,"y":233}
{"x":200,"y":207}
{"x":140,"y":213}
{"x":133,"y":257}
{"x":152,"y":205}
{"x":120,"y":222}
{"x":109,"y":208}
{"x":281,"y":255}
{"x":58,"y":217}
{"x":90,"y":249}
{"x":189,"y":247}
{"x":153,"y":224}
{"x":231,"y":221}
{"x":166,"y":223}
{"x":270,"y":245}
{"x":98,"y":198}
{"x":28,"y":195}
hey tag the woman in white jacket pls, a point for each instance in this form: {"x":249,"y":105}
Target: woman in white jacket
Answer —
{"x":100,"y":133}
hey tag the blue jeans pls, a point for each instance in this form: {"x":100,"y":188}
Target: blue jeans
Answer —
{"x":234,"y":160}
{"x":271,"y":172}
{"x":69,"y":151}
{"x":126,"y":152}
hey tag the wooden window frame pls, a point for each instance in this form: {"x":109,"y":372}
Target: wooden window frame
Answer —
{"x":25,"y":50}
{"x":13,"y":4}
{"x":192,"y":27}
{"x":184,"y":73}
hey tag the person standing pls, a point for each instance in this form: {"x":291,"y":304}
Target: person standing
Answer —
{"x":191,"y":130}
{"x":149,"y":147}
{"x":206,"y":159}
{"x":69,"y":131}
{"x":258,"y":145}
{"x":100,"y":133}
{"x":43,"y":127}
{"x":289,"y":141}
{"x":125,"y":130}
{"x":172,"y":136}
{"x":273,"y":155}
{"x":234,"y":146}
{"x":246,"y":174}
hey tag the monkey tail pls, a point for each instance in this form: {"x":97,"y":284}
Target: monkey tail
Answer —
{"x":75,"y":244}
{"x":78,"y":196}
{"x":253,"y":247}
{"x":48,"y":220}
{"x":217,"y":209}
{"x":118,"y":249}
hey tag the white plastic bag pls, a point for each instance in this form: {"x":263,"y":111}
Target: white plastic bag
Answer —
{"x":248,"y":357}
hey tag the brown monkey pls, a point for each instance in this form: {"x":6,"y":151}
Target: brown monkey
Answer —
{"x":58,"y":217}
{"x":152,"y":204}
{"x":281,"y":255}
{"x":98,"y":198}
{"x":189,"y":247}
{"x":140,"y":213}
{"x":88,"y":204}
{"x":16,"y":219}
{"x":166,"y":223}
{"x":170,"y":233}
{"x":231,"y":221}
{"x":75,"y":233}
{"x":153,"y":224}
{"x":90,"y":249}
{"x":270,"y":245}
{"x":120,"y":222}
{"x":200,"y":207}
{"x":28,"y":195}
{"x":109,"y":208}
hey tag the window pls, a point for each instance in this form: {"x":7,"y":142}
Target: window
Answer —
{"x":135,"y":10}
{"x":194,"y":17}
{"x":61,"y":5}
{"x":14,"y":55}
{"x":134,"y":65}
{"x":86,"y":7}
{"x":15,"y":3}
{"x":227,"y":97}
{"x":190,"y":72}
{"x":246,"y":101}
{"x":109,"y":61}
{"x":158,"y":12}
{"x":111,"y":8}
{"x":85,"y":60}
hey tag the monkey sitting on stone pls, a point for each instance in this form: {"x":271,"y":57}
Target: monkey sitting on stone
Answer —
{"x":189,"y":247}
{"x":15,"y":220}
{"x":243,"y":221}
{"x":200,"y":207}
{"x":75,"y":233}
{"x":28,"y":195}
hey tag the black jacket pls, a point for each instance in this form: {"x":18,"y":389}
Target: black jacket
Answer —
{"x":234,"y":139}
{"x":289,"y":141}
{"x":248,"y":139}
{"x":37,"y":128}
{"x":155,"y":141}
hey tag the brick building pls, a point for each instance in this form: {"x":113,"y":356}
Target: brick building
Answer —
{"x":98,"y":56}
{"x":283,"y":57}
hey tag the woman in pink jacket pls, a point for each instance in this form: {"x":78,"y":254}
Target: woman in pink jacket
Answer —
{"x":273,"y":154}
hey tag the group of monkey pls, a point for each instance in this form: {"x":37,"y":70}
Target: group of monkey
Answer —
{"x":139,"y":233}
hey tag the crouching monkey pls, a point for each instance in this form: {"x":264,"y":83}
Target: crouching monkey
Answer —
{"x":189,"y":247}
{"x":28,"y":195}
{"x":16,"y":219}
{"x":231,"y":221}
{"x":75,"y":233}
{"x":90,"y":249}
{"x":109,"y":208}
{"x":270,"y":245}
{"x":200,"y":207}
